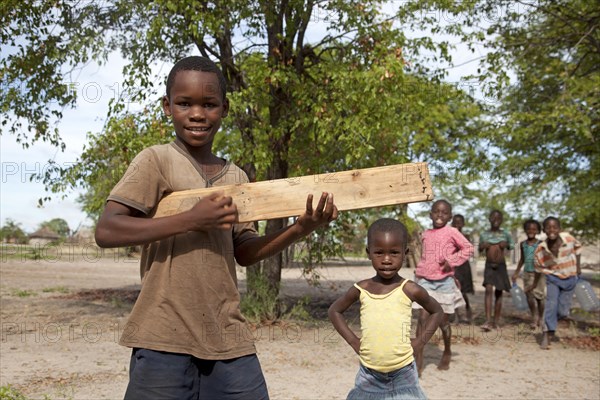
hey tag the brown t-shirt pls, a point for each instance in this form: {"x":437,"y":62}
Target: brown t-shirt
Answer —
{"x":189,"y":302}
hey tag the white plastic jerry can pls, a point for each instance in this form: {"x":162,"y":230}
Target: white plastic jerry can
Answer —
{"x":518,"y":297}
{"x":587,"y":298}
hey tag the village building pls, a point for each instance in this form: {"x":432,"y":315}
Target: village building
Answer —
{"x":43,"y":236}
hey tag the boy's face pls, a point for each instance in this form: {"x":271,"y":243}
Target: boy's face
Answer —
{"x":552,"y":229}
{"x":496,"y":220}
{"x":440,"y":214}
{"x":386,"y":251}
{"x":196,"y":106}
{"x":458,"y":223}
{"x":531,"y":230}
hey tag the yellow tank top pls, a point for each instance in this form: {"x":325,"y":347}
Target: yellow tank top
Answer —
{"x":385,"y":321}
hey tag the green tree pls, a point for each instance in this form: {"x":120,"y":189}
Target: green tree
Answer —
{"x":58,"y":225}
{"x":106,"y":156}
{"x":547,"y":123}
{"x":11,"y":232}
{"x":361,"y":94}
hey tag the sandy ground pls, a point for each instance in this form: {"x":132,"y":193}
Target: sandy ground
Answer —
{"x":61,"y":320}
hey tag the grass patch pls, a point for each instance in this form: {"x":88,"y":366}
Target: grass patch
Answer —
{"x":56,"y":289}
{"x":23,"y":293}
{"x":7,"y":392}
{"x":593,"y":331}
{"x":299,"y":311}
{"x":117,"y":302}
{"x":261,"y":303}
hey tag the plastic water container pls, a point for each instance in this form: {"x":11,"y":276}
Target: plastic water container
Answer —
{"x":518,"y":297}
{"x":587,"y":298}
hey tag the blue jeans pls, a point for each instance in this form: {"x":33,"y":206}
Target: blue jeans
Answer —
{"x":162,"y":375}
{"x":402,"y":384}
{"x":559,"y":294}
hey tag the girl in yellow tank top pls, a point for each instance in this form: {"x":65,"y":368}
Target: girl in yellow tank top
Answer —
{"x":385,"y":350}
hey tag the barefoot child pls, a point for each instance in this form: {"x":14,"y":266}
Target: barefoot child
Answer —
{"x":536,"y":295}
{"x":463,"y":273}
{"x":444,"y":249}
{"x":494,"y":242}
{"x":180,"y":328}
{"x":559,"y":259}
{"x":387,"y":368}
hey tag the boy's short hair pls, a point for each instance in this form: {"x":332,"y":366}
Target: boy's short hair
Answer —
{"x":446,"y":202}
{"x":388,"y":225}
{"x":534,"y":222}
{"x":551,"y":219}
{"x":459,"y":216}
{"x":196,"y":63}
{"x":496,"y":211}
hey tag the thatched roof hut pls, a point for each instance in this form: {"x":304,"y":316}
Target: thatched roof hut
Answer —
{"x":43,"y":236}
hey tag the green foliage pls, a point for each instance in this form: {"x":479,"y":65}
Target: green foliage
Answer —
{"x":7,"y":392}
{"x":57,"y":225}
{"x":11,"y":232}
{"x":546,"y":127}
{"x":260,"y":304}
{"x":106,"y":157}
{"x":365,"y":88}
{"x":299,"y":311}
{"x":43,"y":44}
{"x":593,"y":331}
{"x":56,"y":289}
{"x":23,"y":293}
{"x":365,"y":93}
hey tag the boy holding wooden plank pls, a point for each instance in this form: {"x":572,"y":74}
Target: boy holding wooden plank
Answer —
{"x":188,"y":336}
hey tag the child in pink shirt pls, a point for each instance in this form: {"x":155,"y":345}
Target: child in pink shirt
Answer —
{"x":444,"y":249}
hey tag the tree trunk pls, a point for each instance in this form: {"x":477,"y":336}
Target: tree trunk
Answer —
{"x":415,"y":249}
{"x":272,"y":265}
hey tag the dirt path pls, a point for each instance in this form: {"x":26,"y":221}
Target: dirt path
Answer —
{"x":61,"y":321}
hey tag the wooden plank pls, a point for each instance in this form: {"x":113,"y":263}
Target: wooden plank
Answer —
{"x":361,"y":188}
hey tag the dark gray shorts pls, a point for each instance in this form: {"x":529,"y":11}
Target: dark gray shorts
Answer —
{"x":162,"y":375}
{"x":496,"y":275}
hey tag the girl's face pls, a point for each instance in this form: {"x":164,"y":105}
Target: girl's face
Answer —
{"x":386,"y":251}
{"x":440,"y":214}
{"x":531,"y":230}
{"x":552,"y":229}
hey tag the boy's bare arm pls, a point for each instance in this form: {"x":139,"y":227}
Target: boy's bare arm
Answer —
{"x":339,"y":322}
{"x":483,"y":246}
{"x":121,"y":225}
{"x":256,"y":249}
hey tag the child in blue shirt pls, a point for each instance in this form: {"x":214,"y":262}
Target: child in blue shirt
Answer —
{"x":536,"y":294}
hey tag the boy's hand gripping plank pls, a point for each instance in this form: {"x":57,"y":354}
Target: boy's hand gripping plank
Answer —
{"x":361,"y":188}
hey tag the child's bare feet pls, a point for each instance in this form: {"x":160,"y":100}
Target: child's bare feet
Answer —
{"x":545,"y":345}
{"x":445,"y":361}
{"x":534,"y":324}
{"x":487,"y":327}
